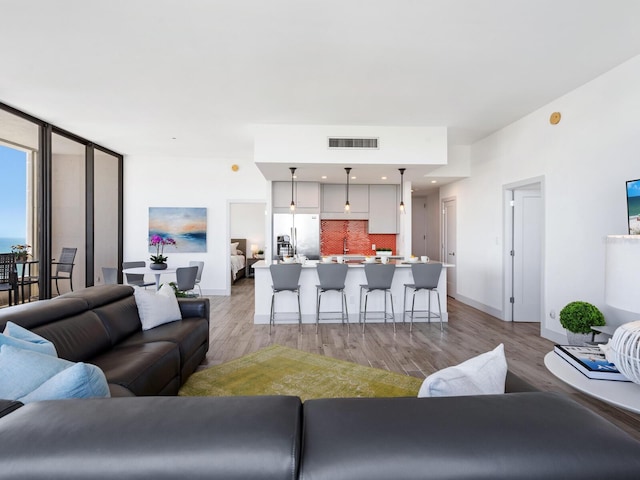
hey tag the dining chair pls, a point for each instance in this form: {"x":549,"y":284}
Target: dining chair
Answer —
{"x":110,"y":275}
{"x":9,"y":276}
{"x":379,"y":279}
{"x":186,"y":279}
{"x":332,"y":277}
{"x":285,"y":278}
{"x":200,"y":266}
{"x":136,"y":279}
{"x":64,"y":267}
{"x":425,"y":278}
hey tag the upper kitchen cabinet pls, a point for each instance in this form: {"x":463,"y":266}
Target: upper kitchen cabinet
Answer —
{"x":334,"y":197}
{"x":383,"y":209}
{"x":306,"y":196}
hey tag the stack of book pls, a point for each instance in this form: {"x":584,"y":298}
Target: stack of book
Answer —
{"x":590,"y":361}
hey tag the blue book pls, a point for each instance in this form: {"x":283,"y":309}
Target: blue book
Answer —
{"x":590,"y":361}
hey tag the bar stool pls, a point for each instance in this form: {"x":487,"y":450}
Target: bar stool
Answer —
{"x":379,"y":278}
{"x":425,"y":277}
{"x":332,"y":278}
{"x":286,"y":278}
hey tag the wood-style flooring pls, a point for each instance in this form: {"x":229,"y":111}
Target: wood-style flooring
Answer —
{"x":468,"y":333}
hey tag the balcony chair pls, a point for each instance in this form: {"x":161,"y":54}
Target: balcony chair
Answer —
{"x":332,"y":277}
{"x":9,"y":276}
{"x":425,"y":278}
{"x":26,"y":278}
{"x":64,"y":267}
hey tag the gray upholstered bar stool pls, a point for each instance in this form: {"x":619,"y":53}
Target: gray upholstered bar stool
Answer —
{"x":379,"y":278}
{"x":332,"y":278}
{"x":425,"y":278}
{"x":285,"y":278}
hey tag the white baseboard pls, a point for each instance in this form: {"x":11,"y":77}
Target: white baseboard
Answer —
{"x":480,"y":306}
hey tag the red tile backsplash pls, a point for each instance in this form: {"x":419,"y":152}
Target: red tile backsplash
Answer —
{"x":333,"y":233}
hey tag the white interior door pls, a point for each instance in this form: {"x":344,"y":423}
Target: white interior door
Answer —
{"x":449,"y":243}
{"x":527,"y":254}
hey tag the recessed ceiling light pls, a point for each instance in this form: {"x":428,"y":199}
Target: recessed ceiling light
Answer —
{"x":383,"y":178}
{"x":324,"y":177}
{"x":353,"y":178}
{"x":295,"y":176}
{"x":434,"y":181}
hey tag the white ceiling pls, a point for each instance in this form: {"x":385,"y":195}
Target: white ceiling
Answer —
{"x":189,"y":78}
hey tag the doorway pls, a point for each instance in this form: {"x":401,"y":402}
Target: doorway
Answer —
{"x":247,"y":221}
{"x":449,"y":241}
{"x":524,"y":221}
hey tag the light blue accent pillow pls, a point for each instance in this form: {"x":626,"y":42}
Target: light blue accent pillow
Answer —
{"x":20,"y":337}
{"x":82,"y":380}
{"x":25,"y":371}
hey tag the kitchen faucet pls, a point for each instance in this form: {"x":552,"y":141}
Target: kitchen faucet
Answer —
{"x":344,"y":246}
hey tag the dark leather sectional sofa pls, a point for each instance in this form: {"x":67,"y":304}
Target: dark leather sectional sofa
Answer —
{"x":100,"y":325}
{"x":520,"y":435}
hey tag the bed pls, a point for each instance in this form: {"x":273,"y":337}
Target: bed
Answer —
{"x":238,"y":260}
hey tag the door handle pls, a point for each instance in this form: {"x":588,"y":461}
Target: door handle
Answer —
{"x":452,"y":254}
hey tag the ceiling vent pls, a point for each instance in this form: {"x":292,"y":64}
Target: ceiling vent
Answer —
{"x":341,"y":142}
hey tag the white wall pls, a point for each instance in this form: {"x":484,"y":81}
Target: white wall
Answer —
{"x":585,"y":161}
{"x":308,"y":144}
{"x":188,"y":182}
{"x":248,"y":221}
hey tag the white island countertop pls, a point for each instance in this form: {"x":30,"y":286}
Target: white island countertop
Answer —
{"x":355,"y":278}
{"x":350,"y":263}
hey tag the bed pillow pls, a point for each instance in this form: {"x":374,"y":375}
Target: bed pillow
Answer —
{"x":29,"y":376}
{"x":20,"y":337}
{"x":482,"y":375}
{"x":234,"y":248}
{"x":157,"y":308}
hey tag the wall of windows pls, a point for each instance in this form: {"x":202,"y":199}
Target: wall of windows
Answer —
{"x":72,"y":197}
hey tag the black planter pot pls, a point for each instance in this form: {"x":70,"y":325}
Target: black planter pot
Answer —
{"x":158,"y":266}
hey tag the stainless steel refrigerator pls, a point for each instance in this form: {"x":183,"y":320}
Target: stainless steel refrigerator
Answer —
{"x":303,"y":230}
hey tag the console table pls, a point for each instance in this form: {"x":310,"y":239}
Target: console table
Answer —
{"x":621,"y":394}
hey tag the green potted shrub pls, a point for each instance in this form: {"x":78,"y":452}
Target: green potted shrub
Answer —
{"x":578,"y":318}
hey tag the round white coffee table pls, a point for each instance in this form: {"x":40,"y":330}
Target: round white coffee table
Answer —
{"x":621,"y":394}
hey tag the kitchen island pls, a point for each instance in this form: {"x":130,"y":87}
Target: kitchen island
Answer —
{"x":286,"y":302}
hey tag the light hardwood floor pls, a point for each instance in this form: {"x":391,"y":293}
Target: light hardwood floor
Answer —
{"x":468,"y":333}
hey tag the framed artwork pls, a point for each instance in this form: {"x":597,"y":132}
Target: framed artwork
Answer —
{"x":187,"y":226}
{"x":633,"y":206}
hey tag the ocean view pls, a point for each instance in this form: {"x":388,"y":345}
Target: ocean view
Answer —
{"x":7,"y":242}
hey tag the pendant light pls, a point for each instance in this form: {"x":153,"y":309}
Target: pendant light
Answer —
{"x":402,"y":189}
{"x":293,"y":205}
{"x":347,"y":207}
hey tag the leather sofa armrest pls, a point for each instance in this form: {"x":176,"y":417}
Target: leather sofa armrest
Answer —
{"x":8,"y":406}
{"x":194,"y":307}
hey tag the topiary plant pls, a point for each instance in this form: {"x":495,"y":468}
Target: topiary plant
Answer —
{"x":579,"y":317}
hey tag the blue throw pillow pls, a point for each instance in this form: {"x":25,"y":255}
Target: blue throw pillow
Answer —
{"x":26,"y":371}
{"x":20,"y":337}
{"x":81,"y":380}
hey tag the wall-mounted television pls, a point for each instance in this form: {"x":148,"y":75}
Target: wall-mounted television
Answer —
{"x":633,"y":206}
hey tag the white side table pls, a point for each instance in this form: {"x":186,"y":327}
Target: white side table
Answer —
{"x":621,"y":394}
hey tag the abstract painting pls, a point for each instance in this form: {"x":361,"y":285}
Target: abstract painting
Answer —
{"x":187,"y":226}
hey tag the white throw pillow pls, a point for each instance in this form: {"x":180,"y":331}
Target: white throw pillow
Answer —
{"x":482,"y":375}
{"x":157,"y":308}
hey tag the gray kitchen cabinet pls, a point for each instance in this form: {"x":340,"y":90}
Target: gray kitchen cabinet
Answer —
{"x":335,"y":195}
{"x":383,"y":209}
{"x":306,"y":196}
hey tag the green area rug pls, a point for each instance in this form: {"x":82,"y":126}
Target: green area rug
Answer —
{"x":278,"y":370}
